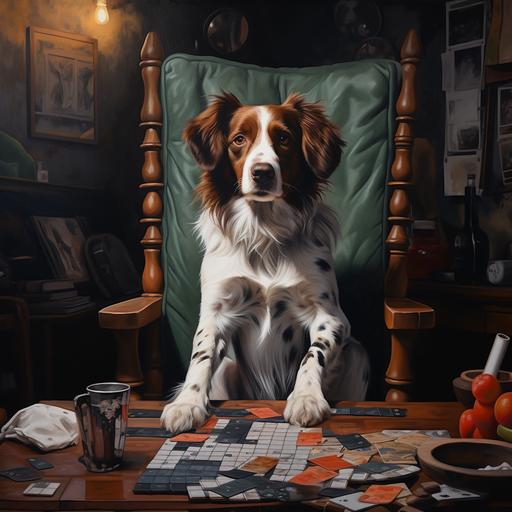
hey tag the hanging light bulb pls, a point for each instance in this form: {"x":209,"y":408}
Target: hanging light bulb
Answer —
{"x":101,"y":12}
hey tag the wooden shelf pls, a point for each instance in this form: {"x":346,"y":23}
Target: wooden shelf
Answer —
{"x":20,"y":185}
{"x":482,"y":294}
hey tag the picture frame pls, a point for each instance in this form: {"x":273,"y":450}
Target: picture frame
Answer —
{"x":465,"y":22}
{"x":62,"y":85}
{"x":62,"y":240}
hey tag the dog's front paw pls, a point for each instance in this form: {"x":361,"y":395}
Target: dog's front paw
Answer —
{"x":306,"y":410}
{"x":180,"y":417}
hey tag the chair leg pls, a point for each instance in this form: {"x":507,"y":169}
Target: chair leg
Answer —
{"x":128,"y":364}
{"x":400,"y":375}
{"x":153,"y":388}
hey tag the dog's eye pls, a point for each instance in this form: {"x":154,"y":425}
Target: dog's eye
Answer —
{"x":283,"y":139}
{"x":239,"y":140}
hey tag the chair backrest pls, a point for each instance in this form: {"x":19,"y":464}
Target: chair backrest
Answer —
{"x":360,"y":98}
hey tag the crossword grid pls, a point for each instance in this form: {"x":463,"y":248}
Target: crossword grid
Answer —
{"x":194,"y":467}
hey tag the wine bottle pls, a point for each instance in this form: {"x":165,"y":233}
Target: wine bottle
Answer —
{"x":471,"y":244}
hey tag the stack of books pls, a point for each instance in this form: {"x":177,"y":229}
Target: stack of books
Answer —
{"x":53,"y":297}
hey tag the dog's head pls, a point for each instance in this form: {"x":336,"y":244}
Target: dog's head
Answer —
{"x":263,"y":152}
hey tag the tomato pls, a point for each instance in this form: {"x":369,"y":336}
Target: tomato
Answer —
{"x":483,"y":416}
{"x":486,"y":388}
{"x":477,"y":434}
{"x":466,"y":423}
{"x":503,"y":409}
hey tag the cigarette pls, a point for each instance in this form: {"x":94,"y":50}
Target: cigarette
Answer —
{"x":497,"y":354}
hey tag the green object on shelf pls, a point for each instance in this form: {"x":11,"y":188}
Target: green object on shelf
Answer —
{"x":15,"y":162}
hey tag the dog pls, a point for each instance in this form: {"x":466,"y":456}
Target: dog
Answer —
{"x":270,"y":325}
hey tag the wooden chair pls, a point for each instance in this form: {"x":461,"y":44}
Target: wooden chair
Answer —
{"x":403,"y":317}
{"x":15,"y":327}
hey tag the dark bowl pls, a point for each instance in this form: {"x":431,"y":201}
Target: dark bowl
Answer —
{"x":456,"y":462}
{"x":462,"y":385}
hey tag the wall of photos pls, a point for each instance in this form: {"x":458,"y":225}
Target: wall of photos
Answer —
{"x":462,"y":82}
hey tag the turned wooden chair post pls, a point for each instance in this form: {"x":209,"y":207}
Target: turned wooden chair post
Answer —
{"x":402,"y":316}
{"x":127,"y":318}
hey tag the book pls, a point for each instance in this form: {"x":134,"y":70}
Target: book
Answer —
{"x":49,"y":296}
{"x":46,"y":285}
{"x":61,"y":307}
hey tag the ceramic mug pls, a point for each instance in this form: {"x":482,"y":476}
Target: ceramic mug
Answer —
{"x":102,"y":415}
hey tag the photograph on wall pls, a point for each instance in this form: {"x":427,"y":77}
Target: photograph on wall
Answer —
{"x":467,"y":68}
{"x":504,"y":110}
{"x":505,"y":152}
{"x":456,"y":170}
{"x":464,"y":137}
{"x":462,"y":106}
{"x":62,"y":84}
{"x":465,"y":22}
{"x":63,"y":241}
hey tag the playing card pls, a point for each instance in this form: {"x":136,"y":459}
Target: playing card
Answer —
{"x":229,"y":413}
{"x":331,"y":462}
{"x":377,"y":467}
{"x":263,"y":412}
{"x":380,"y":494}
{"x":313,"y":476}
{"x":38,"y":463}
{"x":452,"y":493}
{"x":190,"y":438}
{"x":235,"y":487}
{"x":236,"y":474}
{"x":42,"y":489}
{"x":353,"y":441}
{"x":144,"y":413}
{"x":208,"y":425}
{"x":377,"y":437}
{"x":397,"y":453}
{"x":415,"y":440}
{"x":356,"y":458}
{"x":21,"y":474}
{"x":332,"y":492}
{"x":369,"y":411}
{"x":309,"y":438}
{"x":148,"y":432}
{"x":260,"y":465}
{"x":351,"y":502}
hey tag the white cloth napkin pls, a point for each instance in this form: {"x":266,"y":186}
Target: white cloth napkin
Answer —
{"x":45,"y":426}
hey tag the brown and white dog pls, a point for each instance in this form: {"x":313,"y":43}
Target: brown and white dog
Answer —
{"x":270,"y":324}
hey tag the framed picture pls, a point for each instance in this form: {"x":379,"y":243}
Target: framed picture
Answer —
{"x":63,"y":241}
{"x":62,"y":85}
{"x":465,"y":22}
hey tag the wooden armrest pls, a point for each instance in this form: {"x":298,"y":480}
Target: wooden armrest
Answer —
{"x":131,"y":314}
{"x":407,"y":314}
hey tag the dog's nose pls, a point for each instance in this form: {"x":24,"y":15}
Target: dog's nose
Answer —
{"x":263,"y":174}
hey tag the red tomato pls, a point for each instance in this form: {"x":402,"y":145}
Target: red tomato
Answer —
{"x":486,"y":388}
{"x":466,"y":423}
{"x":483,"y":416}
{"x":503,"y":409}
{"x":477,"y":434}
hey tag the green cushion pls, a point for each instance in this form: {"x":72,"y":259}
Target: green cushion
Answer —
{"x":360,"y":98}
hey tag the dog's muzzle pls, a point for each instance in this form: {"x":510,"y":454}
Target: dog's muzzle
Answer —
{"x":263,"y":176}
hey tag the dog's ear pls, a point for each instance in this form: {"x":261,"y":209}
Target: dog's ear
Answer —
{"x":321,"y":141}
{"x":206,"y":133}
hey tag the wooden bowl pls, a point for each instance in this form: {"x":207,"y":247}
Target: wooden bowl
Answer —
{"x":462,"y":385}
{"x":456,"y":462}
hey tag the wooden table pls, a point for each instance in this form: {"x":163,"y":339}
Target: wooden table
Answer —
{"x":81,"y":490}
